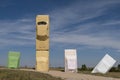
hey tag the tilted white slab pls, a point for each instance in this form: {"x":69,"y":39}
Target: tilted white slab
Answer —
{"x":104,"y":65}
{"x":70,"y":60}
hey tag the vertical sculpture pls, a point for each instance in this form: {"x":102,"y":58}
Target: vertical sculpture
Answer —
{"x":70,"y":60}
{"x":42,"y":43}
{"x":13,"y":59}
{"x":104,"y":65}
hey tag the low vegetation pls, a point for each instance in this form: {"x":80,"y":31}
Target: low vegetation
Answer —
{"x":114,"y":72}
{"x":6,"y":74}
{"x":109,"y":74}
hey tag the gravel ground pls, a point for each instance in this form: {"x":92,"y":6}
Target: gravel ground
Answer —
{"x":74,"y":76}
{"x":78,"y":76}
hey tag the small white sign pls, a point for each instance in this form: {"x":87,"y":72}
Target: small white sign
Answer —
{"x":104,"y":65}
{"x":70,"y":60}
{"x":71,"y":63}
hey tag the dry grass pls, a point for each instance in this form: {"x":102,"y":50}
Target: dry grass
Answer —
{"x":6,"y":74}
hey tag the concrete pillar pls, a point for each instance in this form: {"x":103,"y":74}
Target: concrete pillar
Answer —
{"x":42,"y":43}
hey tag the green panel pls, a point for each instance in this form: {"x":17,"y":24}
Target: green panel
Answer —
{"x":13,"y":59}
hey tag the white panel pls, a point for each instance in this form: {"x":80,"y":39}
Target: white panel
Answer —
{"x":104,"y":65}
{"x":71,"y":63}
{"x":70,"y":60}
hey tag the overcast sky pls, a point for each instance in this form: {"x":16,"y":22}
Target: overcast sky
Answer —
{"x":90,"y":26}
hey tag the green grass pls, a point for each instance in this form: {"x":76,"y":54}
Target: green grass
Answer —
{"x":6,"y":74}
{"x":109,"y":74}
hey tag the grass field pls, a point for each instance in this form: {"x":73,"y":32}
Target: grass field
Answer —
{"x":6,"y":74}
{"x":109,"y":74}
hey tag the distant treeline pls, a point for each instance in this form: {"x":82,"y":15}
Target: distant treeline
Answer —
{"x":85,"y":68}
{"x":82,"y":68}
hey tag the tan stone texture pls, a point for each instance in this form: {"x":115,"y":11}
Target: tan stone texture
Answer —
{"x":42,"y":60}
{"x":42,"y":43}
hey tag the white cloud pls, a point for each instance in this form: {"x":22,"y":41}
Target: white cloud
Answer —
{"x":24,"y":29}
{"x":87,"y":40}
{"x":118,"y":50}
{"x":17,"y":32}
{"x":112,"y":22}
{"x":78,"y":16}
{"x":79,"y":12}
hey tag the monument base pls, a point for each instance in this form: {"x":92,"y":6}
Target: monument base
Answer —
{"x":42,"y":60}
